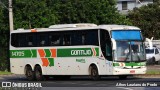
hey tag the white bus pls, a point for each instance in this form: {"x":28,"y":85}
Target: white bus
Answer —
{"x":66,"y":50}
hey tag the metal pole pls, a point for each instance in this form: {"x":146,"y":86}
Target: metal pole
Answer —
{"x":11,"y":28}
{"x":10,"y":15}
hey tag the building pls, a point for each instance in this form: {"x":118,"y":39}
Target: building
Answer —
{"x":154,"y":42}
{"x":125,"y":5}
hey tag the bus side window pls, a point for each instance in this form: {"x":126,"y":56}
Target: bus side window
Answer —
{"x":22,"y":40}
{"x":83,"y":39}
{"x":31,"y":39}
{"x":14,"y":41}
{"x":66,"y":40}
{"x":91,"y":37}
{"x":54,"y":39}
{"x":42,"y":39}
{"x":76,"y":38}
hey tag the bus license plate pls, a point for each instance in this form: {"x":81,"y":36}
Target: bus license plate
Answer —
{"x":132,"y":71}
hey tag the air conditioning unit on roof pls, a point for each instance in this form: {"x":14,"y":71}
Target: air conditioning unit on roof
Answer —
{"x":57,"y":26}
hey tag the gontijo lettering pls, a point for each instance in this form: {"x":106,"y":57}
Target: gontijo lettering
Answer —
{"x":81,"y":52}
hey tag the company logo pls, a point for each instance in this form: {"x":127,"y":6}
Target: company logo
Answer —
{"x":6,"y":84}
{"x":80,"y":52}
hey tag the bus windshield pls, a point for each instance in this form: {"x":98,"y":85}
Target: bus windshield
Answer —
{"x":129,"y":45}
{"x":130,"y":51}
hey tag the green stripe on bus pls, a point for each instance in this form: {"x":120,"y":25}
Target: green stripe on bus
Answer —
{"x":51,"y":61}
{"x":97,"y":51}
{"x":23,"y":53}
{"x":34,"y":53}
{"x":48,"y":53}
{"x":115,"y":64}
{"x":76,"y":52}
{"x":130,"y":64}
{"x":66,"y":52}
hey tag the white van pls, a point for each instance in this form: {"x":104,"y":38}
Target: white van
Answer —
{"x":153,"y":55}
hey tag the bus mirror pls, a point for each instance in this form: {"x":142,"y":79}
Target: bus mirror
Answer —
{"x":113,"y":44}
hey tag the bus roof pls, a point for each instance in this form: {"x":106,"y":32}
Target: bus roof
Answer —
{"x":79,"y":26}
{"x":118,"y":27}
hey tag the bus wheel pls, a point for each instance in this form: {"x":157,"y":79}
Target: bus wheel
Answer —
{"x":29,"y":73}
{"x":94,"y":73}
{"x":123,"y":77}
{"x":38,"y":73}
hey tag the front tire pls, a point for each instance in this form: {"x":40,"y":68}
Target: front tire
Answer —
{"x":94,"y":73}
{"x":153,"y":60}
{"x":29,"y":73}
{"x":38,"y":73}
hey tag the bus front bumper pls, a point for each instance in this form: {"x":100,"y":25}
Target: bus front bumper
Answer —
{"x":130,"y":71}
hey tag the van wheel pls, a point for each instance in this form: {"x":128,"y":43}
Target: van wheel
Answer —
{"x":153,"y":60}
{"x":38,"y":73}
{"x":94,"y":73}
{"x":29,"y":73}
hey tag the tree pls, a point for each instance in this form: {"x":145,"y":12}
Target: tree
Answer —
{"x":32,"y":14}
{"x":4,"y":35}
{"x":88,"y":11}
{"x":148,"y":19}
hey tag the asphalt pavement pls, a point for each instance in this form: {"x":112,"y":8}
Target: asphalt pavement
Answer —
{"x":81,"y":83}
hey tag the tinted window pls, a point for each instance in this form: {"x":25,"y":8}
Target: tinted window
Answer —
{"x":54,"y":39}
{"x":126,"y":35}
{"x":156,"y":51}
{"x":14,"y":40}
{"x":106,"y":44}
{"x":42,"y":39}
{"x":31,"y":40}
{"x":66,"y":38}
{"x":149,"y":51}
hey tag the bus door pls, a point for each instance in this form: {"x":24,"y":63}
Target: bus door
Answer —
{"x":106,"y":49}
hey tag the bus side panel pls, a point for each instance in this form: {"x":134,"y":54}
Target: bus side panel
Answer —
{"x":68,"y":66}
{"x":75,"y":66}
{"x":17,"y":65}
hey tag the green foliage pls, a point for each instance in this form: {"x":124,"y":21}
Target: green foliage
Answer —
{"x":148,"y":19}
{"x":33,"y":14}
{"x":88,"y":11}
{"x":4,"y":36}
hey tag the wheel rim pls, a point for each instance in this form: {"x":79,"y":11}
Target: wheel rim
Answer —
{"x":29,"y":73}
{"x":94,"y":73}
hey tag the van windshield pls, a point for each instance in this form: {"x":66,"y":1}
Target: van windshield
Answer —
{"x":149,"y":51}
